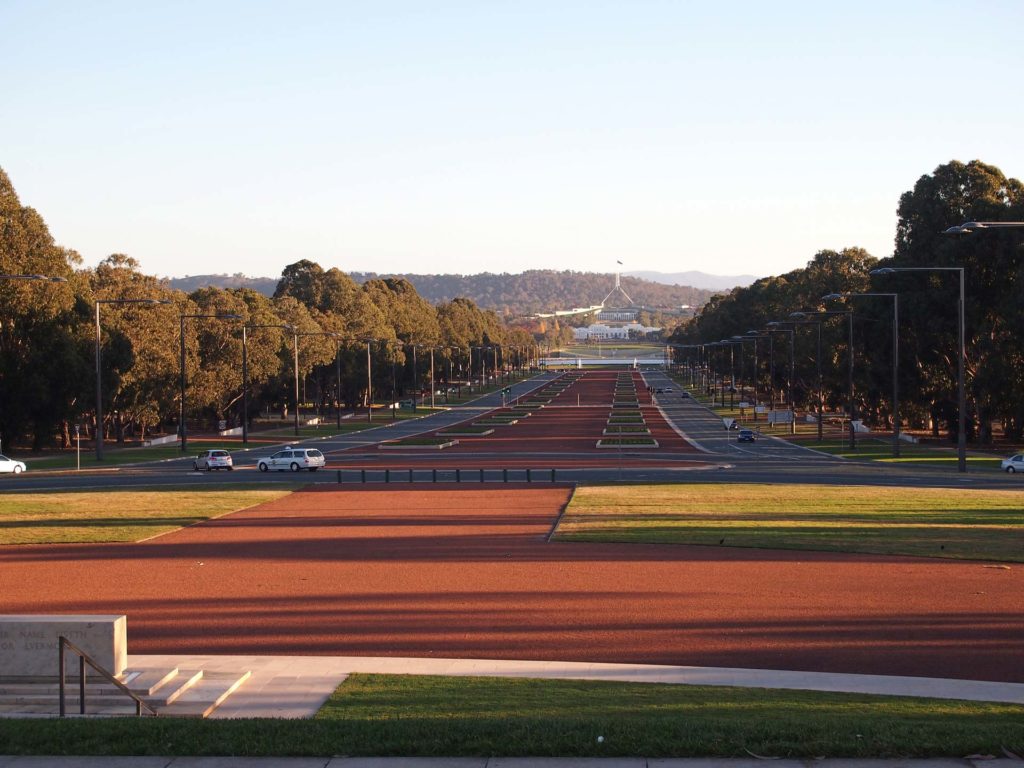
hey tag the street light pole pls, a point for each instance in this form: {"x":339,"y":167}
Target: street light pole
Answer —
{"x":895,"y":358}
{"x":432,"y":385}
{"x":961,"y":437}
{"x":415,"y":377}
{"x":369,"y":384}
{"x":773,"y":327}
{"x":797,"y":317}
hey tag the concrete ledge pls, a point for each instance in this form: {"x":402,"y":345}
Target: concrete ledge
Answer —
{"x":29,"y":643}
{"x":400,"y":447}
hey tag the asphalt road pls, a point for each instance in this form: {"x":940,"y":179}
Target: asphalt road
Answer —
{"x":719,"y":458}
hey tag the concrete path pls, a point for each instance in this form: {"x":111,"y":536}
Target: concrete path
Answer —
{"x":297,"y":686}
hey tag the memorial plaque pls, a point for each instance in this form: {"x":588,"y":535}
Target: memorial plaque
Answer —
{"x":28,"y":643}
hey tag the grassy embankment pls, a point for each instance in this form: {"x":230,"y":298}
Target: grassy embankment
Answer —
{"x":437,"y":716}
{"x":79,"y":517}
{"x":931,"y":522}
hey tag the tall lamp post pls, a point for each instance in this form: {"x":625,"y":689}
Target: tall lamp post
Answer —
{"x":369,"y":383}
{"x":415,"y":378}
{"x":961,"y":437}
{"x":774,"y":327}
{"x":182,"y":428}
{"x":731,"y":343}
{"x":805,"y":317}
{"x":800,"y":317}
{"x":99,"y":378}
{"x":895,"y":357}
{"x":337,"y":362}
{"x":245,"y":374}
{"x":741,"y":340}
{"x":433,"y":386}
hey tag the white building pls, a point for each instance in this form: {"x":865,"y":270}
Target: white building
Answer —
{"x":601,"y":332}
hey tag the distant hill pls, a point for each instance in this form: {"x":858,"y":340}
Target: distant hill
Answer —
{"x":537,"y":290}
{"x":189,"y":283}
{"x":697,"y":279}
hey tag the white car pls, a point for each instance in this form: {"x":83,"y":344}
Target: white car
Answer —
{"x":294,"y":459}
{"x":1013,"y":464}
{"x":10,"y":465}
{"x":213,"y":459}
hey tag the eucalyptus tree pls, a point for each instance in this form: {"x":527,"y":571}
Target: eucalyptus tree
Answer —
{"x":38,"y":322}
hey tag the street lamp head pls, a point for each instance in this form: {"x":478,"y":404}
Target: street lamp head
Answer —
{"x":774,"y":324}
{"x":799,"y":315}
{"x":882,"y":271}
{"x":832,"y":296}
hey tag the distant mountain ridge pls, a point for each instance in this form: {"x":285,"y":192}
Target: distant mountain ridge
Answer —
{"x":538,"y":290}
{"x":697,"y":279}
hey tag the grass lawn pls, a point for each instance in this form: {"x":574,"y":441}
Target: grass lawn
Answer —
{"x":115,"y":515}
{"x":880,"y":449}
{"x":931,"y":522}
{"x":438,"y":716}
{"x":112,"y":456}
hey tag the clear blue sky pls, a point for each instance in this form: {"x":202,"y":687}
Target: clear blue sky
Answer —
{"x":731,"y":138}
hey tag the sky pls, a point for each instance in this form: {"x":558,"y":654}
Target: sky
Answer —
{"x":461,"y":137}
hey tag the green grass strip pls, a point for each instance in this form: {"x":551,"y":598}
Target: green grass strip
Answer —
{"x":78,"y":517}
{"x":932,"y":522}
{"x":391,"y":715}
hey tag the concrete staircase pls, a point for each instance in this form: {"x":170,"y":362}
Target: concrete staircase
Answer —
{"x":172,"y":692}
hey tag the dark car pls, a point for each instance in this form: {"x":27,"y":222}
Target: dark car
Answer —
{"x":746,"y":436}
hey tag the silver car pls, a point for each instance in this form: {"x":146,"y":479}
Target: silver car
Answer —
{"x":12,"y":465}
{"x":213,"y":459}
{"x":294,"y":459}
{"x":1013,"y":464}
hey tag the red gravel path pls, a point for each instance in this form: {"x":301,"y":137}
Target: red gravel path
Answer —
{"x":466,"y":572}
{"x":572,"y":423}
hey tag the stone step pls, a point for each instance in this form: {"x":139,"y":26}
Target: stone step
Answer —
{"x":175,"y":688}
{"x":171,"y":692}
{"x":146,"y":682}
{"x":205,"y":695}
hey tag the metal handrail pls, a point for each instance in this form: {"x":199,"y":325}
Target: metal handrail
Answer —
{"x":83,"y":659}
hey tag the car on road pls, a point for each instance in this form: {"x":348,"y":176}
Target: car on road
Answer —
{"x":12,"y":465}
{"x":745,"y":436}
{"x":685,"y":395}
{"x":294,"y":459}
{"x":216,"y":458}
{"x":1013,"y":464}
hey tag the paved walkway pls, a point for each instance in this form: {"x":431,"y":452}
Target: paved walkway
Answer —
{"x":296,"y":686}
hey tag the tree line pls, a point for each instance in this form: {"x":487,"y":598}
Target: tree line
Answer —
{"x":48,"y":340}
{"x":993,"y":264}
{"x":511,"y":295}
